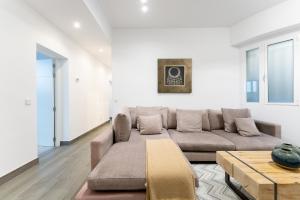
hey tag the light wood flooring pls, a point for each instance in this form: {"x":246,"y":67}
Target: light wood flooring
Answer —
{"x":59,"y":174}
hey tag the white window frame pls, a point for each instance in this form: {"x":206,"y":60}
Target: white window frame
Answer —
{"x":263,"y":69}
{"x":249,"y":48}
{"x":296,"y":55}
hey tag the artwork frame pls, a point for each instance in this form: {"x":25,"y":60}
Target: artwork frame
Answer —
{"x":174,"y":75}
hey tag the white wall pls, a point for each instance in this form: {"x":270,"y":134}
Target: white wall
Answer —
{"x":281,"y":18}
{"x":21,"y":30}
{"x":216,"y":71}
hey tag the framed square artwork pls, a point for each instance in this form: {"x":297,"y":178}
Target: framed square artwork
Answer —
{"x":174,"y":75}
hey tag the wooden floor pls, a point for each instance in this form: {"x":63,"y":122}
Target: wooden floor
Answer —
{"x":59,"y":175}
{"x":43,"y":149}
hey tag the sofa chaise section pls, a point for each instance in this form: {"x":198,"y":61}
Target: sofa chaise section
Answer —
{"x":122,"y":168}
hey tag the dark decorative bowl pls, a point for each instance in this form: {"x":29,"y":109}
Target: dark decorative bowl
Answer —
{"x":284,"y":145}
{"x":288,"y":146}
{"x":297,"y":149}
{"x":286,"y":157}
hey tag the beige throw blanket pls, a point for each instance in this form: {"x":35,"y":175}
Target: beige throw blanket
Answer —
{"x":169,"y":176}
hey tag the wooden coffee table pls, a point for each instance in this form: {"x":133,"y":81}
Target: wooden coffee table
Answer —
{"x":259,"y":175}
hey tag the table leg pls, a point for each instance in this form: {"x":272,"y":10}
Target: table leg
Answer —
{"x":234,"y":188}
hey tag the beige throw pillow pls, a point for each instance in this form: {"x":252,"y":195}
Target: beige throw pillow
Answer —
{"x":246,"y":127}
{"x":189,"y":120}
{"x":146,"y":111}
{"x":229,"y":116}
{"x":151,"y":124}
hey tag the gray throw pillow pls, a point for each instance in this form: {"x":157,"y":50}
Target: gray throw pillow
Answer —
{"x":150,"y":124}
{"x":122,"y":127}
{"x":229,"y":116}
{"x":246,"y":127}
{"x":189,"y":120}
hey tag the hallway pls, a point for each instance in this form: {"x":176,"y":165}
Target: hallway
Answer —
{"x":59,"y":174}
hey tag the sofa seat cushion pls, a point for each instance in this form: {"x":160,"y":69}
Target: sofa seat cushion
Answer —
{"x":200,"y":142}
{"x":136,"y":137}
{"x":261,"y":143}
{"x":122,"y":168}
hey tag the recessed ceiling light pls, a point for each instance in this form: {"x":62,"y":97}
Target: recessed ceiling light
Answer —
{"x":101,"y":50}
{"x":77,"y":25}
{"x":145,"y":9}
{"x":144,"y":1}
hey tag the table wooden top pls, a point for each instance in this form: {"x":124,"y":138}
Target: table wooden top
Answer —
{"x":259,"y":175}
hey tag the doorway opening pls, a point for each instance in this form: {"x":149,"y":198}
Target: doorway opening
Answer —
{"x":49,"y":73}
{"x":45,"y":102}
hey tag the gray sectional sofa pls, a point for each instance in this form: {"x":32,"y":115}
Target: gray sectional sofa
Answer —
{"x":118,"y":169}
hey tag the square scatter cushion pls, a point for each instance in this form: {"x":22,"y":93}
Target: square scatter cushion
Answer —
{"x":147,"y":111}
{"x":229,"y":116}
{"x":150,"y":124}
{"x":189,"y":120}
{"x":246,"y":127}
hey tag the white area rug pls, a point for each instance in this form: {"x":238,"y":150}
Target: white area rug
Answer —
{"x":212,"y":183}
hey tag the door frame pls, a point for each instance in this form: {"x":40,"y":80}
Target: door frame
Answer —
{"x":59,"y":87}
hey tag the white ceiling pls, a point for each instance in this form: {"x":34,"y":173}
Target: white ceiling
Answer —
{"x":63,"y":13}
{"x":94,"y":32}
{"x":182,"y":13}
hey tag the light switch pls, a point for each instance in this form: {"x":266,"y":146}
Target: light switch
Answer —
{"x":27,"y":102}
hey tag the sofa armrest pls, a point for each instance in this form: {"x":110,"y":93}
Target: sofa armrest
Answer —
{"x":269,"y":128}
{"x":100,"y":145}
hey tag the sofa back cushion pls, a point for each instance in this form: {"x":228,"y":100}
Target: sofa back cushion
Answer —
{"x":146,"y":111}
{"x":216,"y":119}
{"x":132,"y":111}
{"x":172,"y":119}
{"x":229,"y":116}
{"x":189,"y":120}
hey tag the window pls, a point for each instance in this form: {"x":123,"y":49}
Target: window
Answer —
{"x":252,"y":81}
{"x":280,"y":72}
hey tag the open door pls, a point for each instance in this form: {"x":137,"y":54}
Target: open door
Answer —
{"x":46,"y":102}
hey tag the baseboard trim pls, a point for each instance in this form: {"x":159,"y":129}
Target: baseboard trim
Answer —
{"x":18,"y":171}
{"x":64,"y":143}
